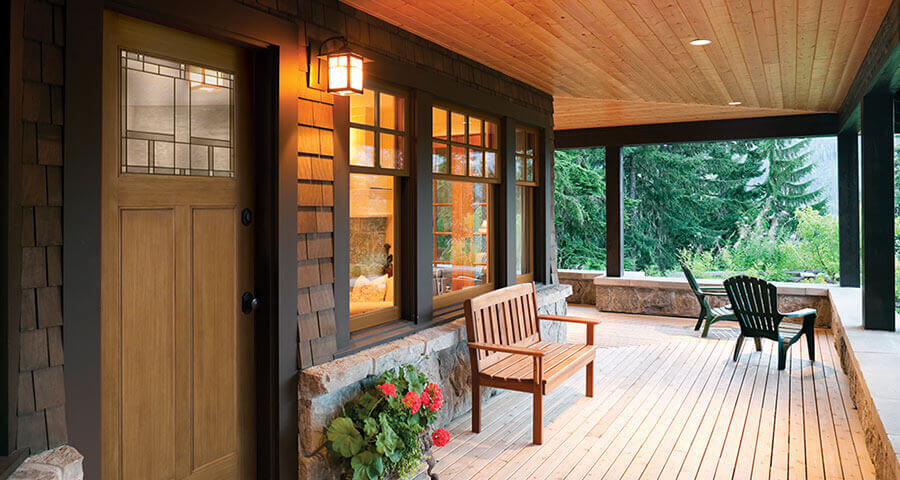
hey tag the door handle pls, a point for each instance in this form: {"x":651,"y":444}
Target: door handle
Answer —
{"x":249,"y":303}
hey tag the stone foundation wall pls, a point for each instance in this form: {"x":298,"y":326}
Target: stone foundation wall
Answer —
{"x":673,"y":297}
{"x":439,"y":351}
{"x":61,"y":463}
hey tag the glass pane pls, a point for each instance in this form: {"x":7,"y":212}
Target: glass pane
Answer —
{"x":461,"y":258}
{"x":475,"y":131}
{"x":458,"y":159}
{"x":439,"y":161}
{"x":490,"y":133}
{"x":520,"y":140}
{"x":362,"y":108}
{"x":442,"y":192}
{"x":439,"y":123}
{"x":210,"y":108}
{"x":372,"y":243}
{"x":458,"y":127}
{"x":523,"y":230}
{"x":391,"y":150}
{"x":390,"y":111}
{"x":442,"y":219}
{"x":530,"y":142}
{"x":520,"y":167}
{"x":490,"y":164}
{"x":177,"y":118}
{"x":475,"y":166}
{"x":529,"y":169}
{"x":362,"y":147}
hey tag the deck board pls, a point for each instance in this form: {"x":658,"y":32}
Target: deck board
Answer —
{"x":669,"y":404}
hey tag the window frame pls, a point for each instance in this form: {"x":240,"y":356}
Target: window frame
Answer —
{"x":458,"y":296}
{"x":380,"y":87}
{"x":374,"y":318}
{"x":529,"y":187}
{"x":485,"y":118}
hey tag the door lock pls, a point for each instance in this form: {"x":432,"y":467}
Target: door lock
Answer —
{"x":249,"y":303}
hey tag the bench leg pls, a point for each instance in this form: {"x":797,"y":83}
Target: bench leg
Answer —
{"x":589,"y":380}
{"x":476,"y":405}
{"x":758,"y":344}
{"x":538,"y":420}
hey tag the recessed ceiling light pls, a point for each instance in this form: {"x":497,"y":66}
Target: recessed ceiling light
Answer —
{"x":700,"y":42}
{"x":734,"y":103}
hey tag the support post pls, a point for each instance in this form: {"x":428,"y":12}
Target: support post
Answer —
{"x":878,"y":209}
{"x":615,"y":232}
{"x":506,"y":206}
{"x":848,"y":206}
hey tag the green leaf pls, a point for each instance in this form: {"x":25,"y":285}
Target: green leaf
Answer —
{"x":367,"y":401}
{"x":414,"y":379}
{"x":345,"y":439}
{"x":370,"y":426}
{"x":386,"y":441}
{"x":367,"y":465}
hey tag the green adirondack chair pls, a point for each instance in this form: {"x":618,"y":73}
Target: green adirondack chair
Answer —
{"x":755,"y":303}
{"x":708,"y":314}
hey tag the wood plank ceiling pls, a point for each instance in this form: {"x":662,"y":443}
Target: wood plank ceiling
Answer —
{"x":618,"y":62}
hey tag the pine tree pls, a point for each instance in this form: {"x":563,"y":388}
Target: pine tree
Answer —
{"x":786,"y":185}
{"x":580,"y":196}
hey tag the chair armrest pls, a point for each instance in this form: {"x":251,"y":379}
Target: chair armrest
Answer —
{"x":801,"y":313}
{"x":715,"y":293}
{"x":561,"y":318}
{"x":712,"y":289}
{"x":534,"y":352}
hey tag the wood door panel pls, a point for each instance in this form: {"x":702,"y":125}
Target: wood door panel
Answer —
{"x":147,"y":253}
{"x":178,"y":361}
{"x":215,"y":316}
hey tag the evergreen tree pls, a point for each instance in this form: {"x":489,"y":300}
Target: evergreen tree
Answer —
{"x":786,"y":185}
{"x":580,"y":195}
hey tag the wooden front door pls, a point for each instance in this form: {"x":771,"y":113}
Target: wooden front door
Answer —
{"x":177,"y":350}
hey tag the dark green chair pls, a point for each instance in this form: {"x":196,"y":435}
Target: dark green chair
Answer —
{"x":755,"y":303}
{"x":707,"y":313}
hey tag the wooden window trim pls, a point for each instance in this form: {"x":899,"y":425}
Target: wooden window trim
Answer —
{"x":535,"y":157}
{"x":380,"y":87}
{"x":527,"y":275}
{"x":458,"y":296}
{"x":485,"y":119}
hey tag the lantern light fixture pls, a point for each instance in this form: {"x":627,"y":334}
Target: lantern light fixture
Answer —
{"x":345,"y":68}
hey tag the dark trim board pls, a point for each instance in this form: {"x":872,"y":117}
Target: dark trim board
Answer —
{"x":807,"y":125}
{"x":11,"y":219}
{"x":848,"y":206}
{"x":275,"y":46}
{"x":615,"y":210}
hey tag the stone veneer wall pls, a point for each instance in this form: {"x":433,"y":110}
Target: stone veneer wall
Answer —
{"x":673,"y":297}
{"x":41,"y":392}
{"x":439,"y":351}
{"x":582,"y":283}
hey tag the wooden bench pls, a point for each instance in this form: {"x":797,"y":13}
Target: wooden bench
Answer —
{"x":506,"y":350}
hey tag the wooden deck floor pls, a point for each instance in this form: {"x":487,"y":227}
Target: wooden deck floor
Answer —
{"x":670,"y":405}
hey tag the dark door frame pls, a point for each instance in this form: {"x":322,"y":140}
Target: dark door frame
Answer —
{"x":274,"y":43}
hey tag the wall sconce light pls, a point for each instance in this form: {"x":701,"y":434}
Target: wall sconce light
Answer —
{"x":343,"y":70}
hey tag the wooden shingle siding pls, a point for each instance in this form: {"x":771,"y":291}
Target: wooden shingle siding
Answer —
{"x":315,"y":227}
{"x":41,"y":392}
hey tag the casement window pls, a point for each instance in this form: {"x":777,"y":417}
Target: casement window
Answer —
{"x":378,"y":158}
{"x":465,"y":164}
{"x":527,"y":158}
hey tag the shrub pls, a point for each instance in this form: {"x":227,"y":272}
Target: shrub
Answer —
{"x":378,"y":434}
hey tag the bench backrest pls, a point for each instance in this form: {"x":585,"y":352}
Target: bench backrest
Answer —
{"x":507,"y":316}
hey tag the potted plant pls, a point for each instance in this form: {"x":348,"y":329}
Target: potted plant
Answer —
{"x":386,"y":432}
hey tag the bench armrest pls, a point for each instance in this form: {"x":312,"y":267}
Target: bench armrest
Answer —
{"x":561,"y":318}
{"x":534,"y":352}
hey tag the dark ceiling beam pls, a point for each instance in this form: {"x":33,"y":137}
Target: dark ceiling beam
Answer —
{"x":881,"y":64}
{"x":807,"y":125}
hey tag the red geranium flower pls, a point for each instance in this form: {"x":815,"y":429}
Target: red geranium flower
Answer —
{"x":435,"y":396}
{"x":412,"y":401}
{"x":440,"y":437}
{"x":388,"y":389}
{"x":424,"y":398}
